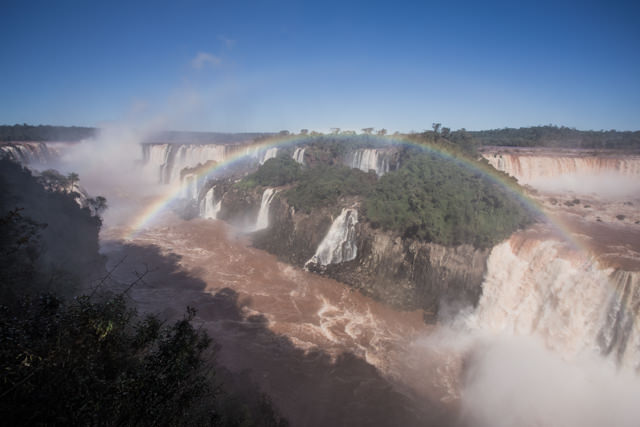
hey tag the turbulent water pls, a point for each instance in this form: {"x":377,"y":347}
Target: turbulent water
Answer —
{"x":310,"y":342}
{"x":339,"y":245}
{"x":328,"y":355}
{"x":541,"y":288}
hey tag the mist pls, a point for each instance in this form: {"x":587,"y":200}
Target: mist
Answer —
{"x":110,"y":165}
{"x":604,"y":185}
{"x":516,"y":381}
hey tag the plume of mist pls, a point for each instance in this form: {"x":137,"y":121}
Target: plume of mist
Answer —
{"x":610,"y":185}
{"x":516,"y":381}
{"x":110,"y":165}
{"x":509,"y":381}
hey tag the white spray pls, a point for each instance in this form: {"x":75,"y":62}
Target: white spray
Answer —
{"x":339,"y":245}
{"x":262,"y":221}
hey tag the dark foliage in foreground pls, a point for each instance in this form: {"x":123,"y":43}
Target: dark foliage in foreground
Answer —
{"x":97,"y":363}
{"x":47,"y":242}
{"x":90,"y":363}
{"x":92,"y":360}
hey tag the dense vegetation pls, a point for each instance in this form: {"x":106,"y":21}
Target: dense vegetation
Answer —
{"x":90,"y":359}
{"x":275,"y":172}
{"x":558,"y":137}
{"x":95,"y":363}
{"x":443,"y":202}
{"x":27,"y":132}
{"x":324,"y":185}
{"x":46,"y":240}
{"x":431,"y":197}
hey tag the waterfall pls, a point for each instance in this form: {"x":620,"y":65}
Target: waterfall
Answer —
{"x":602,"y":173}
{"x":168,"y":160}
{"x":262,"y":221}
{"x":209,"y":208}
{"x":540,"y":288}
{"x":190,"y":187}
{"x":339,"y":245}
{"x":619,"y":337}
{"x":156,"y":157}
{"x":265,"y":155}
{"x":27,"y":153}
{"x":527,"y":168}
{"x":369,"y":159}
{"x":298,"y":155}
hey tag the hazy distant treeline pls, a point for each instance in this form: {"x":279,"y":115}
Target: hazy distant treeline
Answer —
{"x":203,"y":137}
{"x":27,"y":132}
{"x":557,"y":137}
{"x":537,"y":136}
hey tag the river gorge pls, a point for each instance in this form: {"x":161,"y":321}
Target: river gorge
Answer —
{"x":343,"y":323}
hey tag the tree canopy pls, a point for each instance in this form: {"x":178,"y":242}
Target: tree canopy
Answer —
{"x":558,"y":137}
{"x":430,"y":197}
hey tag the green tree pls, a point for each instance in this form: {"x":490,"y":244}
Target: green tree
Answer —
{"x":96,"y":363}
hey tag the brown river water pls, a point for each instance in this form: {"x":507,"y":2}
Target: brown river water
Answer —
{"x":326,"y":354}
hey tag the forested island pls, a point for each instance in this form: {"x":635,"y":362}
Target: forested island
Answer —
{"x":429,"y":195}
{"x":412,"y":220}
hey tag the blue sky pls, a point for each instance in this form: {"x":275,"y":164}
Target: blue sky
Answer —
{"x":267,"y":65}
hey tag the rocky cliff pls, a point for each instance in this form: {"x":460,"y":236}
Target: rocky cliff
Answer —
{"x":404,"y":273}
{"x":530,"y":165}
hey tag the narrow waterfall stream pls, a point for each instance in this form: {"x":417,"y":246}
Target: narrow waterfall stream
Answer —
{"x":339,"y":245}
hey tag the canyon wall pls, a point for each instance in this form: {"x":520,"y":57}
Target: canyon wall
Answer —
{"x":528,"y":166}
{"x":405,"y":273}
{"x":541,"y":287}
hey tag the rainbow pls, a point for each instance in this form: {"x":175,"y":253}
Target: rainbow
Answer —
{"x":152,"y":211}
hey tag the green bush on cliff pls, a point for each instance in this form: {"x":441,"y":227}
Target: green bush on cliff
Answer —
{"x":441,"y":201}
{"x":323,"y":185}
{"x":275,"y":172}
{"x":429,"y":197}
